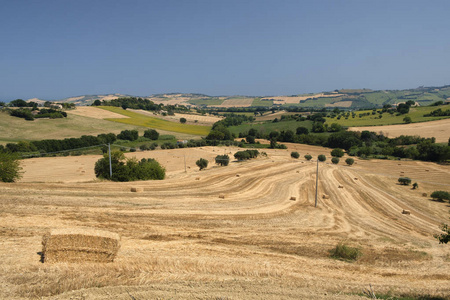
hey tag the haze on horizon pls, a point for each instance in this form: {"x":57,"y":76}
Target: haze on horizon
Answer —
{"x":57,"y":49}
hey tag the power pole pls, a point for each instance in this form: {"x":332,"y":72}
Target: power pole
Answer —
{"x":317,"y":181}
{"x":110,"y":166}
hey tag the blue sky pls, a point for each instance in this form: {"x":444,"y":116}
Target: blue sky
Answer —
{"x":57,"y":49}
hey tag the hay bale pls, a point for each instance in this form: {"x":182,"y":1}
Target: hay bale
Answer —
{"x":298,"y":172}
{"x":197,"y":178}
{"x":406,"y":212}
{"x":427,"y":170}
{"x":222,"y":196}
{"x":325,"y":196}
{"x":341,"y":186}
{"x":238,"y":175}
{"x":137,"y":189}
{"x":424,"y":194}
{"x":356,"y":178}
{"x":293,"y":198}
{"x":80,"y":245}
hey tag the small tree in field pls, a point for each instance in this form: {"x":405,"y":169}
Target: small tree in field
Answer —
{"x":308,"y":157}
{"x":295,"y":154}
{"x":444,"y":238}
{"x":151,"y":134}
{"x":182,"y":120}
{"x":404,"y":180}
{"x":222,"y":160}
{"x":415,"y":185}
{"x":9,"y":167}
{"x":322,"y":158}
{"x":337,"y":152}
{"x":202,"y":163}
{"x":349,"y":161}
{"x":440,"y":195}
{"x":335,"y":160}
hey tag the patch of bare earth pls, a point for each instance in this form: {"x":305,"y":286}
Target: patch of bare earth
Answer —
{"x":439,"y":129}
{"x":244,"y":102}
{"x":180,"y":240}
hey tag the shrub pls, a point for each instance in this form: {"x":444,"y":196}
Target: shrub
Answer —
{"x":222,"y":160}
{"x":404,"y":180}
{"x":250,"y":139}
{"x":415,"y":185}
{"x":349,"y":161}
{"x":440,"y":195}
{"x":182,"y":120}
{"x":151,"y":134}
{"x":295,"y":154}
{"x":9,"y":167}
{"x":308,"y":157}
{"x":247,"y":154}
{"x":322,"y":157}
{"x":335,"y":160}
{"x":344,"y":252}
{"x":202,"y":163}
{"x":337,"y":152}
{"x":130,"y":135}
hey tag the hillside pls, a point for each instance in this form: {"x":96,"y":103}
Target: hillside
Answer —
{"x":344,"y":98}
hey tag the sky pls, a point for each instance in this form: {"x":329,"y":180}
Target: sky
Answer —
{"x":53,"y":49}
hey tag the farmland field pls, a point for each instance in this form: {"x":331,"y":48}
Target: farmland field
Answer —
{"x":180,"y":240}
{"x":138,"y":119}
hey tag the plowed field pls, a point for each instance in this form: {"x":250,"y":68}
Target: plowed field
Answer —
{"x":181,"y":241}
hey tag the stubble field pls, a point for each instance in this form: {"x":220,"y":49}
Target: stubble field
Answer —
{"x":179,"y":240}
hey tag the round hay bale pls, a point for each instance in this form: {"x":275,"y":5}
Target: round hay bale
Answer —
{"x":197,"y":178}
{"x":222,"y":196}
{"x":341,"y":186}
{"x":424,"y":194}
{"x":406,"y":212}
{"x":238,"y":175}
{"x":293,"y":198}
{"x":325,"y":196}
{"x":137,"y":189}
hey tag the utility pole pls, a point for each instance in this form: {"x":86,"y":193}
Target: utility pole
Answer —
{"x":110,"y":166}
{"x":317,"y":181}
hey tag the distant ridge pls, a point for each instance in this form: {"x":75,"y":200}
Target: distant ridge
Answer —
{"x":343,"y":98}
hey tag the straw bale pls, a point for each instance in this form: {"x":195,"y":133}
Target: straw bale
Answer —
{"x":427,"y":170}
{"x":325,"y":196}
{"x":80,"y":245}
{"x":222,"y":196}
{"x":356,"y":178}
{"x":406,"y":212}
{"x":238,"y":175}
{"x":293,"y":198}
{"x":137,"y":189}
{"x":424,"y":194}
{"x":341,"y":186}
{"x":298,"y":172}
{"x":197,"y":178}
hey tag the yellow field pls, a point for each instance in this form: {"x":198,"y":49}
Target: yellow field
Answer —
{"x":179,"y":240}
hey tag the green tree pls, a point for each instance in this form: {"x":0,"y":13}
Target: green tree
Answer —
{"x":322,"y":157}
{"x":10,"y":169}
{"x":440,"y":195}
{"x":202,"y":163}
{"x":151,"y":134}
{"x":407,"y":119}
{"x":404,"y":180}
{"x":415,"y":185}
{"x":308,"y":157}
{"x":337,"y":152}
{"x":222,"y":160}
{"x":444,"y":238}
{"x":182,"y":120}
{"x":295,"y":154}
{"x":335,"y":160}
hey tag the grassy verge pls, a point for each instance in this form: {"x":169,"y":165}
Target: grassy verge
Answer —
{"x":155,"y":123}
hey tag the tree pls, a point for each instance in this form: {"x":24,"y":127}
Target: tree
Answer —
{"x":415,"y":185}
{"x":337,"y":152}
{"x":444,"y":238}
{"x":295,"y":154}
{"x":322,"y":157}
{"x":407,"y":119}
{"x":302,"y":130}
{"x":349,"y":161}
{"x":250,"y":139}
{"x":97,"y":103}
{"x":182,"y":120}
{"x":9,"y":167}
{"x":130,"y":135}
{"x":404,"y":180}
{"x":308,"y":157}
{"x":335,"y":160}
{"x":440,"y":195}
{"x":222,"y":160}
{"x":151,"y":134}
{"x":202,"y":163}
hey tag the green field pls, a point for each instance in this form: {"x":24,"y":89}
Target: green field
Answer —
{"x":15,"y":129}
{"x":206,"y":102}
{"x":137,"y":119}
{"x":258,"y":102}
{"x":416,"y":114}
{"x":267,"y":127}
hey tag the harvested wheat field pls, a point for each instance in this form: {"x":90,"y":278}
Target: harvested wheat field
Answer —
{"x":228,"y":232}
{"x":439,"y":129}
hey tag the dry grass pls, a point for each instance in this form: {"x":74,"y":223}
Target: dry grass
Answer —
{"x":255,"y":243}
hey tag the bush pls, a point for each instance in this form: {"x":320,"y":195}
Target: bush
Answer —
{"x":440,"y":195}
{"x":295,"y":154}
{"x":250,"y":139}
{"x":222,"y":160}
{"x":9,"y":167}
{"x":247,"y":154}
{"x":308,"y":157}
{"x":202,"y":163}
{"x":349,"y":161}
{"x":151,"y":134}
{"x":335,"y":160}
{"x":128,"y":169}
{"x":344,"y":252}
{"x":321,"y":157}
{"x":337,"y":152}
{"x":404,"y":180}
{"x":182,"y":120}
{"x":130,"y":135}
